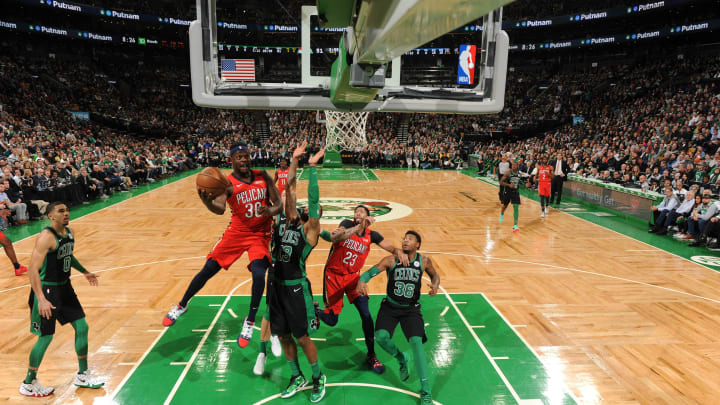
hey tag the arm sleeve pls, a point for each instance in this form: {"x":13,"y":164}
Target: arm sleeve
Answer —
{"x":376,"y":238}
{"x":76,"y":264}
{"x":313,"y":195}
{"x":326,"y":235}
{"x":374,"y":271}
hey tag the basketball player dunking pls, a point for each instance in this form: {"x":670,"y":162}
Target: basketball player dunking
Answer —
{"x":249,"y":196}
{"x":351,"y":247}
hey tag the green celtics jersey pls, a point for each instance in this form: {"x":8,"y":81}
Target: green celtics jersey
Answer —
{"x":289,"y":250}
{"x":404,"y":282}
{"x":513,"y":179}
{"x":56,"y":267}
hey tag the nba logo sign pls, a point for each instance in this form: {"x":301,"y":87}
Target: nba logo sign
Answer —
{"x":466,"y":65}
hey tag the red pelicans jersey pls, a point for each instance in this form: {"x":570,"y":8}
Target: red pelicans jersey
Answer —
{"x":245,"y":201}
{"x":544,"y":174}
{"x":348,"y":256}
{"x":282,"y":179}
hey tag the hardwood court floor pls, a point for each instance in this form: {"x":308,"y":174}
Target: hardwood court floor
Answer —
{"x":613,"y":319}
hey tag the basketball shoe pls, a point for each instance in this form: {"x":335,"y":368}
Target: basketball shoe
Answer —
{"x":425,"y":398}
{"x":34,"y":389}
{"x":296,"y":383}
{"x":20,"y":270}
{"x":318,"y":390}
{"x":173,"y":315}
{"x":516,"y":229}
{"x":86,"y":380}
{"x":374,"y":363}
{"x":259,"y":368}
{"x":246,"y":334}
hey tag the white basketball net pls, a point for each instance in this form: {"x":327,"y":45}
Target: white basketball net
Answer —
{"x":346,"y":130}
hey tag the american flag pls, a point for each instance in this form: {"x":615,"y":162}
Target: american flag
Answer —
{"x":236,"y":70}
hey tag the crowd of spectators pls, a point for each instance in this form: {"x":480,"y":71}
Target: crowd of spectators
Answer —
{"x":644,"y":125}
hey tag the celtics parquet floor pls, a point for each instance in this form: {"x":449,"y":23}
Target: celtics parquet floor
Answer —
{"x":474,"y":357}
{"x":583,"y":306}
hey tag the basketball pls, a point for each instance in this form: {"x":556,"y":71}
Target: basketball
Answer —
{"x":212,"y":180}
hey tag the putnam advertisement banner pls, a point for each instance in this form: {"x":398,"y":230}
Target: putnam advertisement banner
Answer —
{"x":626,"y":203}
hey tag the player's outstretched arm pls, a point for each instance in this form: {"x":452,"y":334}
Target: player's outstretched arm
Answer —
{"x":341,"y":233}
{"x":312,"y":227}
{"x":385,"y":264}
{"x":398,"y":252}
{"x":92,"y":278}
{"x":435,"y":277}
{"x":294,"y":162}
{"x":45,"y":242}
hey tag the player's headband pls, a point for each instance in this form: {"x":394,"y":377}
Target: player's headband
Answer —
{"x":238,"y":148}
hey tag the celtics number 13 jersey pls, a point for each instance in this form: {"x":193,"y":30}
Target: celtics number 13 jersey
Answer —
{"x":289,"y":250}
{"x":56,"y":267}
{"x":404,"y":282}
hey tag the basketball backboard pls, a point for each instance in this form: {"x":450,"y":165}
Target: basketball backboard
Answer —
{"x":382,"y":32}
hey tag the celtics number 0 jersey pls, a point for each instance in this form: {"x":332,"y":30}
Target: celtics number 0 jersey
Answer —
{"x":404,"y":282}
{"x":56,"y":267}
{"x":289,"y":250}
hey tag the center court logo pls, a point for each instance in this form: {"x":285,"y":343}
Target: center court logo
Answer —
{"x":707,"y":260}
{"x":337,"y":209}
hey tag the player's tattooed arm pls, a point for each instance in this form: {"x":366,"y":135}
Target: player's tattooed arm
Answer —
{"x":398,"y":252}
{"x":435,"y":277}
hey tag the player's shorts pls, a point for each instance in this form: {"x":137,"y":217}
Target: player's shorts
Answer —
{"x":2,"y":235}
{"x":335,"y":286}
{"x":291,"y":308}
{"x":510,"y":196}
{"x":67,"y":308}
{"x":410,"y":319}
{"x":544,"y":189}
{"x":232,"y":245}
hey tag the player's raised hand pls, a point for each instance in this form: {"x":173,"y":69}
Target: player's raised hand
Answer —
{"x":433,"y":290}
{"x":316,"y":157}
{"x":92,"y":278}
{"x":300,"y":150}
{"x":361,"y":288}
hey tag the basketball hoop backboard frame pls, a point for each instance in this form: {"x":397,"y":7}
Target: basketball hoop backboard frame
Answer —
{"x":209,"y":90}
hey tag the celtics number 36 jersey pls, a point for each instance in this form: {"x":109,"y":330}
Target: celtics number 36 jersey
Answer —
{"x":56,"y":267}
{"x":289,"y":250}
{"x":404,"y":282}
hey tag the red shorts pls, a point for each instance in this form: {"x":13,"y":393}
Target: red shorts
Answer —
{"x":232,"y":245}
{"x":544,"y":189}
{"x":335,"y":286}
{"x":2,"y":235}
